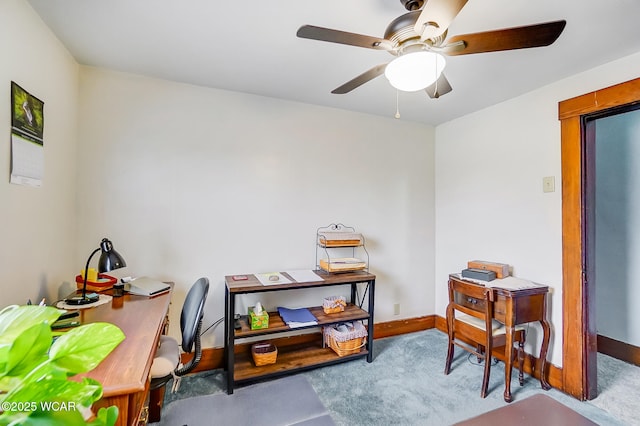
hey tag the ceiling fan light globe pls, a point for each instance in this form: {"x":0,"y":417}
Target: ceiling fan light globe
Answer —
{"x":415,"y":71}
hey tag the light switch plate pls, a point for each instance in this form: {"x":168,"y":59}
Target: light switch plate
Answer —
{"x":548,"y":184}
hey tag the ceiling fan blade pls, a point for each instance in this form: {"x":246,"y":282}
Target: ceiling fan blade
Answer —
{"x":360,"y":80}
{"x":436,"y":16}
{"x":509,"y":38}
{"x":439,"y":88}
{"x":343,"y":37}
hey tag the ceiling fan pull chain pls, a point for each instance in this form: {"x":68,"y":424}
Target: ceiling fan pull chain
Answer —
{"x":397,"y":104}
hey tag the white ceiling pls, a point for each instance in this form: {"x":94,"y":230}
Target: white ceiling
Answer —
{"x":252,"y":47}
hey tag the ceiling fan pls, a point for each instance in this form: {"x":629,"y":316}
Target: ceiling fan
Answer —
{"x":418,"y":39}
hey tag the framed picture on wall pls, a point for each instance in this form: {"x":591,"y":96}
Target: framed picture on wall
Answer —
{"x":27,"y":144}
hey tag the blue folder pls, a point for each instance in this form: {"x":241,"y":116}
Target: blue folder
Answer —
{"x":297,"y":317}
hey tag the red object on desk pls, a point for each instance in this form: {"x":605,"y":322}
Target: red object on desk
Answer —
{"x":104,"y":282}
{"x":240,"y":278}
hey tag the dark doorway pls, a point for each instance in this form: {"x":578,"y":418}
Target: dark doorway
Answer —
{"x":612,"y":146}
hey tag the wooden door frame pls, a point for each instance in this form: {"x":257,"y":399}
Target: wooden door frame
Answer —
{"x":579,"y":347}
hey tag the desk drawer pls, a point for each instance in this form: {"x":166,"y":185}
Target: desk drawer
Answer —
{"x":470,"y":302}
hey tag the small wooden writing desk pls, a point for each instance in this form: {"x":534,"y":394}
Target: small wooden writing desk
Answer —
{"x":515,"y":306}
{"x":124,"y":374}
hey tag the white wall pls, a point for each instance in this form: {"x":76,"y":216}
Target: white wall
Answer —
{"x":37,"y":225}
{"x":617,"y":242}
{"x":489,"y":199}
{"x":191,"y":182}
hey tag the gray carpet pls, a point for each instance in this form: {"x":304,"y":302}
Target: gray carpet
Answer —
{"x":405,"y":385}
{"x":618,"y":389}
{"x":288,"y":401}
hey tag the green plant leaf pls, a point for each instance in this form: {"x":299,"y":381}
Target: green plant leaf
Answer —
{"x":62,"y":390}
{"x":35,"y":371}
{"x":15,"y":321}
{"x":8,"y":383}
{"x":54,"y":418}
{"x":106,"y":416}
{"x":43,"y":371}
{"x":83,"y":348}
{"x":29,"y":348}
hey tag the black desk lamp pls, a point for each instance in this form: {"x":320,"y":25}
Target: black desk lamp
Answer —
{"x":109,"y":260}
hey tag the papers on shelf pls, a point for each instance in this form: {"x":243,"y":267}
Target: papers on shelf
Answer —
{"x":301,"y":317}
{"x":304,"y":276}
{"x":272,"y":278}
{"x":339,"y":239}
{"x":298,"y":275}
{"x":342,"y":264}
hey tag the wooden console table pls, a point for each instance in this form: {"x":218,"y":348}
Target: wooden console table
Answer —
{"x":295,"y":357}
{"x":124,"y":373}
{"x":515,"y":306}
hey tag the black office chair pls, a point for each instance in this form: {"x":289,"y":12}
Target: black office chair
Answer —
{"x":166,"y":363}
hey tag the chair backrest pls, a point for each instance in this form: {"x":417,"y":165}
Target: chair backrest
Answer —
{"x":471,"y":299}
{"x":192,"y":313}
{"x":476,"y":301}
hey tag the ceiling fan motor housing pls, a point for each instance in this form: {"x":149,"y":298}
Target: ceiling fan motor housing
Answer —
{"x":412,"y":4}
{"x":401,"y":33}
{"x":401,"y":28}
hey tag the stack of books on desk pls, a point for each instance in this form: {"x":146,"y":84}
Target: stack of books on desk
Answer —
{"x":301,"y":317}
{"x":66,"y":320}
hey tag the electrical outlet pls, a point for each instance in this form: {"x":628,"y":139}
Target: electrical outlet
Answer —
{"x":396,"y":309}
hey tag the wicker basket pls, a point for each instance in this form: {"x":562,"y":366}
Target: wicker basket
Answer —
{"x":333,"y":304}
{"x":348,"y":347}
{"x":264,"y":353}
{"x":346,"y":343}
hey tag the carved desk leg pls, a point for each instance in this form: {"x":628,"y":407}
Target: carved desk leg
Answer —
{"x":546,"y":329}
{"x":507,"y":370}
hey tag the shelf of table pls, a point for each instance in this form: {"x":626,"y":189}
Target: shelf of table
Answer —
{"x":341,"y":245}
{"x":302,"y":351}
{"x":291,"y":358}
{"x":276,"y":325}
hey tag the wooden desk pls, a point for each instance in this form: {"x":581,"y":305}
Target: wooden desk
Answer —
{"x":514,"y":307}
{"x":124,"y":374}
